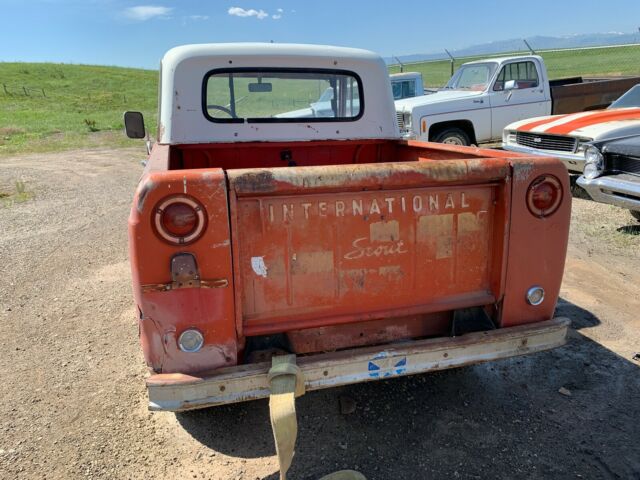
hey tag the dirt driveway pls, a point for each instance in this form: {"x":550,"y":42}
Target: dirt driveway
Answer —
{"x":73,"y":403}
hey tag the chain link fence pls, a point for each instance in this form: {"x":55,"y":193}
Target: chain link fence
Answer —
{"x":599,"y":61}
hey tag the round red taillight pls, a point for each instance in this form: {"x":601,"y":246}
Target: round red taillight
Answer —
{"x":544,"y":195}
{"x":179,"y":219}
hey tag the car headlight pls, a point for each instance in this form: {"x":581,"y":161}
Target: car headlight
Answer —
{"x":594,"y":163}
{"x":406,"y":116}
{"x":583,"y":145}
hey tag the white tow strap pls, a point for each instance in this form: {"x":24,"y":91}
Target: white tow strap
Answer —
{"x":286,"y":382}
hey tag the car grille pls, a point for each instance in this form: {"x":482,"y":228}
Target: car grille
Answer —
{"x":554,"y":143}
{"x":622,"y":164}
{"x":400,"y":116}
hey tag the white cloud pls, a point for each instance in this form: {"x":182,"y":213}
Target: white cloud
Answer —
{"x":277,"y":16}
{"x":198,"y":17}
{"x":146,"y":12}
{"x":241,"y":12}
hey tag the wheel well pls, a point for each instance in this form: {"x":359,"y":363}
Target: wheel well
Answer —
{"x":465,"y":125}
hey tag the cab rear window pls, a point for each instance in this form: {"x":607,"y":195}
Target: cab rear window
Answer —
{"x":281,"y":95}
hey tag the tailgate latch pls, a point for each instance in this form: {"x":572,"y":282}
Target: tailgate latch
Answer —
{"x":185,"y":274}
{"x":184,"y":271}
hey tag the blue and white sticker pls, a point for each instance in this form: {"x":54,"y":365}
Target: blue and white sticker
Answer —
{"x":382,"y":366}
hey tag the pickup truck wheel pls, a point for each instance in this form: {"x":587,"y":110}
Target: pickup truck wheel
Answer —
{"x":453,"y":136}
{"x":635,"y":214}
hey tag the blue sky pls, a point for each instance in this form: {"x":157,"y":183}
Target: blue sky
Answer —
{"x":137,"y":33}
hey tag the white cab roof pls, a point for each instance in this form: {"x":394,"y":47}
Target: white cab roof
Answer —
{"x":183,"y":69}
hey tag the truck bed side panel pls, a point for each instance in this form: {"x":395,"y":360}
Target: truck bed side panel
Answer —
{"x":588,"y":95}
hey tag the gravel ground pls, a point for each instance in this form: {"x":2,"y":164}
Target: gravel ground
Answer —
{"x":73,"y":403}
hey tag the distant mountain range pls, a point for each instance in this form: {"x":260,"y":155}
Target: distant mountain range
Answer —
{"x":537,"y":43}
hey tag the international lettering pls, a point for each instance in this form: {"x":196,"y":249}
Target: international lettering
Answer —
{"x":388,"y":206}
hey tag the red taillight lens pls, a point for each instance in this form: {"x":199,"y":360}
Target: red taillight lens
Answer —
{"x":544,"y":195}
{"x":179,"y":219}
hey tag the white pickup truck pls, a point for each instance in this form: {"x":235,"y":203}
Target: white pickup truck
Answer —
{"x":406,"y":85}
{"x":484,"y":96}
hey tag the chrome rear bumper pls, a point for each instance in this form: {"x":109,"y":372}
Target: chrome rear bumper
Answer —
{"x":177,"y":392}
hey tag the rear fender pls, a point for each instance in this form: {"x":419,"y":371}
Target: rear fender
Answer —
{"x":166,"y":313}
{"x":537,"y":246}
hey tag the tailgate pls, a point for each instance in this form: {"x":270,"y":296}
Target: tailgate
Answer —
{"x":318,"y":246}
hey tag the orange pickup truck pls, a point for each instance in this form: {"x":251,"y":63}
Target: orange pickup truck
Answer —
{"x":280,"y":212}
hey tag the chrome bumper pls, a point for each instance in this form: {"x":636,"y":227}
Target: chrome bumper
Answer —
{"x":573,"y":161}
{"x":177,"y":392}
{"x":621,"y":190}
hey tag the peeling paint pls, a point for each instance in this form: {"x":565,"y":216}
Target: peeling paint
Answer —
{"x":470,"y":222}
{"x":226,"y":243}
{"x":523,"y":170}
{"x":147,"y":187}
{"x":258,"y":266}
{"x":384,"y":231}
{"x":312,"y":262}
{"x":438,"y":229}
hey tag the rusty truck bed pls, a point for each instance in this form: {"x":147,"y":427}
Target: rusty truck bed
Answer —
{"x":312,"y":247}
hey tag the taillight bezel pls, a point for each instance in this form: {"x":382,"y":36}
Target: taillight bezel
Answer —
{"x":167,"y":236}
{"x":556,"y":183}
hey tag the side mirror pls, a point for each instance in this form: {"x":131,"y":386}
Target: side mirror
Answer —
{"x":134,"y":125}
{"x":510,"y":85}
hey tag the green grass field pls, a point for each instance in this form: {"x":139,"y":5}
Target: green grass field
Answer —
{"x":48,"y":107}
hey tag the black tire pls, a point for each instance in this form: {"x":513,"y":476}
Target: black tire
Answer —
{"x":635,"y":214}
{"x":453,"y":136}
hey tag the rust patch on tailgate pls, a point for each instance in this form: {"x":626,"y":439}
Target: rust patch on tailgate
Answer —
{"x":247,"y":182}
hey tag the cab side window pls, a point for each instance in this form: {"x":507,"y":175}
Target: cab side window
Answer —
{"x":404,"y":89}
{"x":397,"y":90}
{"x":408,"y":89}
{"x":524,"y":73}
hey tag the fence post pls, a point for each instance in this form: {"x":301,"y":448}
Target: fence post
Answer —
{"x":25,"y":91}
{"x":452,"y":61}
{"x":533,"y":52}
{"x":399,"y":63}
{"x":43,"y":94}
{"x":5,"y":89}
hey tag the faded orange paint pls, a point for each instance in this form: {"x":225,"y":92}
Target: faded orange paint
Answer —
{"x":383,"y":244}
